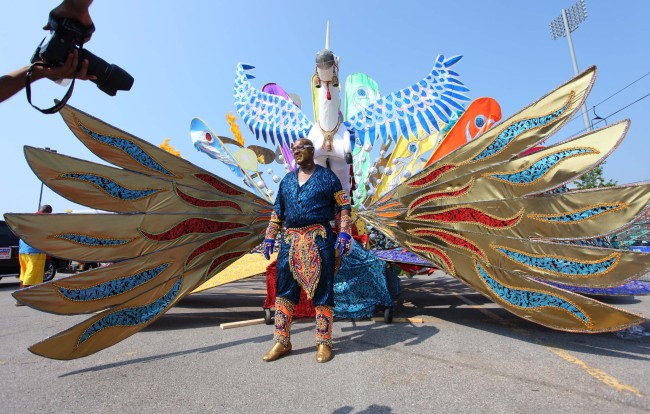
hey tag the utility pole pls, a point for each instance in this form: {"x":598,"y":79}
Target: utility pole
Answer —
{"x":40,"y":197}
{"x":563,"y":25}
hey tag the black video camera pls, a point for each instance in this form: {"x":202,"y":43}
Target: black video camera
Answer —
{"x":68,"y":34}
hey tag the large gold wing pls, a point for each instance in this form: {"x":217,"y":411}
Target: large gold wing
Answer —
{"x":487,"y":216}
{"x":174,"y":227}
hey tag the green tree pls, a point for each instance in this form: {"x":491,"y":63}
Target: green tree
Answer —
{"x":594,"y":179}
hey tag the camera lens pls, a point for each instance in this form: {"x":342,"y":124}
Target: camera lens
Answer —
{"x":110,"y":77}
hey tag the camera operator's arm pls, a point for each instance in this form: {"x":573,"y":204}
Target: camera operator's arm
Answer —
{"x":73,"y":9}
{"x":14,"y":82}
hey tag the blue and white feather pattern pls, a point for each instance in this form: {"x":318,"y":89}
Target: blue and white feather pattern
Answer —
{"x":429,"y":104}
{"x":208,"y":142}
{"x":268,"y":116}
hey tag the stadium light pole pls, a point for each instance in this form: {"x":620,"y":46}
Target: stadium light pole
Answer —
{"x":40,"y":197}
{"x":562,"y":26}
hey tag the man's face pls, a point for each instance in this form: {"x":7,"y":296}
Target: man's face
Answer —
{"x":303,"y":152}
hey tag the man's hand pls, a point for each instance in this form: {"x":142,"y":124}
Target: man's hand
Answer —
{"x":67,"y":70}
{"x":73,"y":9}
{"x":269,"y":246}
{"x":14,"y":82}
{"x":343,"y":244}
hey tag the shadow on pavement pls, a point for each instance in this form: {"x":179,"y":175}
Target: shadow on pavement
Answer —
{"x":378,"y":335}
{"x":9,"y":283}
{"x":212,"y":348}
{"x":372,"y":409}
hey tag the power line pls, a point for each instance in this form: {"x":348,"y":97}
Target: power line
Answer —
{"x":627,"y":106}
{"x":576,"y":116}
{"x":608,"y":116}
{"x":621,"y":90}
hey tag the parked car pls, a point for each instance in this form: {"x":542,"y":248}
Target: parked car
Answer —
{"x":9,"y":263}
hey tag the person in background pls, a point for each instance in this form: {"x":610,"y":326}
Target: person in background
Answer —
{"x":32,"y":261}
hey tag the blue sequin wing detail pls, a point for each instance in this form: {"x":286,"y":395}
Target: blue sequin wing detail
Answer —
{"x":92,"y":241}
{"x":132,"y":315}
{"x":429,"y":104}
{"x":529,"y":299}
{"x":268,"y":116}
{"x":539,"y":168}
{"x":579,"y":215}
{"x":517,"y":128}
{"x":113,"y":287}
{"x":110,"y":187}
{"x":130,"y":148}
{"x":562,"y":265}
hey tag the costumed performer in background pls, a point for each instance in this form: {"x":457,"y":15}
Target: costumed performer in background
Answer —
{"x":308,"y":199}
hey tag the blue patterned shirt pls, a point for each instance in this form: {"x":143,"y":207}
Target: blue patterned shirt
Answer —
{"x":312,"y":203}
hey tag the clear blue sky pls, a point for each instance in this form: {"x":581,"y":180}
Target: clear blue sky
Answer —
{"x":183,"y":56}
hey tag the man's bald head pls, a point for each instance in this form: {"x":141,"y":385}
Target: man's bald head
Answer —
{"x":305,"y":142}
{"x":303,"y":152}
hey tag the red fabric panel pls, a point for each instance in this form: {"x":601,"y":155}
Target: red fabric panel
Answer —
{"x":304,"y":308}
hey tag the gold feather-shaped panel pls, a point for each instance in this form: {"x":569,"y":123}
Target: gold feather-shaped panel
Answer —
{"x":113,"y":237}
{"x":131,"y":153}
{"x":534,"y":173}
{"x":481,"y":215}
{"x":507,"y":139}
{"x":118,"y":190}
{"x":116,"y":283}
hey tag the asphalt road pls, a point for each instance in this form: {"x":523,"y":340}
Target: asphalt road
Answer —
{"x":468,"y":356}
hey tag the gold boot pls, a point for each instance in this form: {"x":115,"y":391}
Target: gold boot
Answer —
{"x":324,"y":319}
{"x":277,"y":352}
{"x":282,"y":332}
{"x":324,"y":353}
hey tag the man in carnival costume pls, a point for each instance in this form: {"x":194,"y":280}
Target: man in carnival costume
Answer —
{"x":308,"y":199}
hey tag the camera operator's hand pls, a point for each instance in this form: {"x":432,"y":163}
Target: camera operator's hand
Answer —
{"x":67,"y":70}
{"x":13,"y":82}
{"x":73,"y":9}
